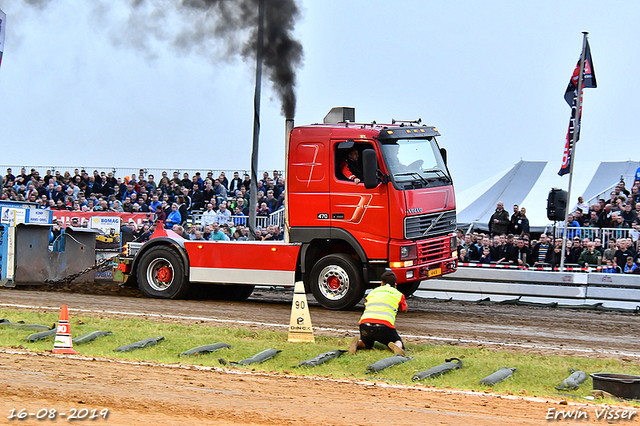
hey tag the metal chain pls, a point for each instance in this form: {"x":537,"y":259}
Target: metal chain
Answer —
{"x":69,"y":278}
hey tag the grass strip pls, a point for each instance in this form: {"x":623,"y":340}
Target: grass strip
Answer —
{"x":536,"y":375}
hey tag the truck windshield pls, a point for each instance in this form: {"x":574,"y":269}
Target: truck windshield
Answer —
{"x":415,"y":163}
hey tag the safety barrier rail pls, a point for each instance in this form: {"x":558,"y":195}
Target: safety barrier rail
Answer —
{"x":569,"y":268}
{"x":275,"y":218}
{"x":502,"y":282}
{"x":603,"y":233}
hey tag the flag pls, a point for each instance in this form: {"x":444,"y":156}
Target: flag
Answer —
{"x":571,"y":96}
{"x":3,"y":20}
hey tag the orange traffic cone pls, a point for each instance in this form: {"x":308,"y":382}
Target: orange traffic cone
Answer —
{"x":63,"y":343}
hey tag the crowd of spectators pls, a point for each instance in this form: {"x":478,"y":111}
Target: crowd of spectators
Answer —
{"x":614,"y":221}
{"x":218,"y":205}
{"x":621,"y":254}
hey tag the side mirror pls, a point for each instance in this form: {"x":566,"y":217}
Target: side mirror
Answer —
{"x":370,"y":168}
{"x":443,"y":152}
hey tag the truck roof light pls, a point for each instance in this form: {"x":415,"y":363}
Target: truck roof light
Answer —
{"x":389,"y":132}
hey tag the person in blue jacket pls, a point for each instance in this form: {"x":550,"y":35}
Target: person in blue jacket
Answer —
{"x":174,"y":217}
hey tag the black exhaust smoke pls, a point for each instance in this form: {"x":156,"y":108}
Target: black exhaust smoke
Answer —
{"x":217,"y":29}
{"x":229,"y":20}
{"x":282,"y":54}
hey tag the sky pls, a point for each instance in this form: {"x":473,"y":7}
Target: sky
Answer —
{"x":81,"y":85}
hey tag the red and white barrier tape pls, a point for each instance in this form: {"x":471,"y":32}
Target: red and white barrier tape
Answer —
{"x":527,"y":268}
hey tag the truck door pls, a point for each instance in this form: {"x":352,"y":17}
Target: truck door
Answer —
{"x":308,"y":184}
{"x":361,"y":212}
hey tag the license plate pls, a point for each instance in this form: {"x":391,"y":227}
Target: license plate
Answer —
{"x":435,"y":272}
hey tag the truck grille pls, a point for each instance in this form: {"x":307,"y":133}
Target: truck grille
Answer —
{"x":430,"y":225}
{"x":433,"y":251}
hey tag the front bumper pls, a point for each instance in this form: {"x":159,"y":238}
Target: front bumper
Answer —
{"x":426,"y":271}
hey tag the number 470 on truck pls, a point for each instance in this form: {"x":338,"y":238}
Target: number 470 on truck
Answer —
{"x":340,"y":236}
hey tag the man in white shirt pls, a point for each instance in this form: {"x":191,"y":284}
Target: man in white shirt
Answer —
{"x":209,"y":216}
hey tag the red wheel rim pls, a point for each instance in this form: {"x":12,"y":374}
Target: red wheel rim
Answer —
{"x":333,"y":283}
{"x":164,"y":274}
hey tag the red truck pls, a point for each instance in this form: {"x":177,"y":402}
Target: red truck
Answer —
{"x":340,"y":235}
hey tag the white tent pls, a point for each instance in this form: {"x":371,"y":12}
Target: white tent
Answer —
{"x":528,"y":183}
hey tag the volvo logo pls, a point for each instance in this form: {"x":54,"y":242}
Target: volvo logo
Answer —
{"x":416,"y":210}
{"x":433,"y":223}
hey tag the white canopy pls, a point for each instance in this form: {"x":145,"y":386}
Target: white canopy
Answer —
{"x":528,"y":183}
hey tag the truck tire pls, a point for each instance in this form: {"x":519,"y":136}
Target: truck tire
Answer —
{"x":408,"y":288}
{"x":160,"y":274}
{"x":239,"y":292}
{"x":233,"y":292}
{"x":336,"y":281}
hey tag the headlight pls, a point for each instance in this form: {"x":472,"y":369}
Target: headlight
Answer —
{"x":408,"y":252}
{"x":454,"y":243}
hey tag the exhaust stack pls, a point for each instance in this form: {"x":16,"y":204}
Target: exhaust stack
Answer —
{"x":288,"y":128}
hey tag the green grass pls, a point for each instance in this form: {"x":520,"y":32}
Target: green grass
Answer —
{"x":536,"y":375}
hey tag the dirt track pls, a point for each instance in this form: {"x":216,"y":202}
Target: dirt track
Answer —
{"x":147,"y":394}
{"x":168,"y":396}
{"x":527,"y":328}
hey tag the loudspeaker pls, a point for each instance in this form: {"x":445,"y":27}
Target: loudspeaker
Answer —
{"x":556,"y":204}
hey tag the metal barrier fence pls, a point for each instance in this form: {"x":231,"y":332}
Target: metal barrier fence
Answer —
{"x":601,"y":290}
{"x":275,"y":218}
{"x":605,"y":234}
{"x":569,"y":267}
{"x":128,"y":171}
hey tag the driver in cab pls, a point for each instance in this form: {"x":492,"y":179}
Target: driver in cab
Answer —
{"x":351,"y":168}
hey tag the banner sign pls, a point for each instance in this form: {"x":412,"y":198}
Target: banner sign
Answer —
{"x":12,"y":216}
{"x":39,"y":216}
{"x":110,"y":228}
{"x":571,"y":96}
{"x":65,"y":216}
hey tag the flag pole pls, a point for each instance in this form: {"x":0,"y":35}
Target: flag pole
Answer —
{"x":253,"y":187}
{"x":576,"y":130}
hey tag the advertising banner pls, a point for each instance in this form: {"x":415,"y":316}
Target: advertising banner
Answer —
{"x":65,"y":216}
{"x":12,"y":216}
{"x":39,"y":216}
{"x":110,"y":228}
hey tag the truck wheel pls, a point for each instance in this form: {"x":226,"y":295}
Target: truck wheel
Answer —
{"x":242,"y":292}
{"x":161,"y":274}
{"x":408,"y":288}
{"x":336,"y":281}
{"x":234,"y":292}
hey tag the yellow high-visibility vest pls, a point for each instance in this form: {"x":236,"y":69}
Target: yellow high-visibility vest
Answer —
{"x":382,"y":306}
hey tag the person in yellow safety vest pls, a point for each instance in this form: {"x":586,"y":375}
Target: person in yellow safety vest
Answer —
{"x":377,"y":323}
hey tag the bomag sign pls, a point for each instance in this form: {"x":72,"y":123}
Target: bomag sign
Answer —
{"x":110,"y":228}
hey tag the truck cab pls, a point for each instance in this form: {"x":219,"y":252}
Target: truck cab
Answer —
{"x":342,"y":231}
{"x":401,"y":215}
